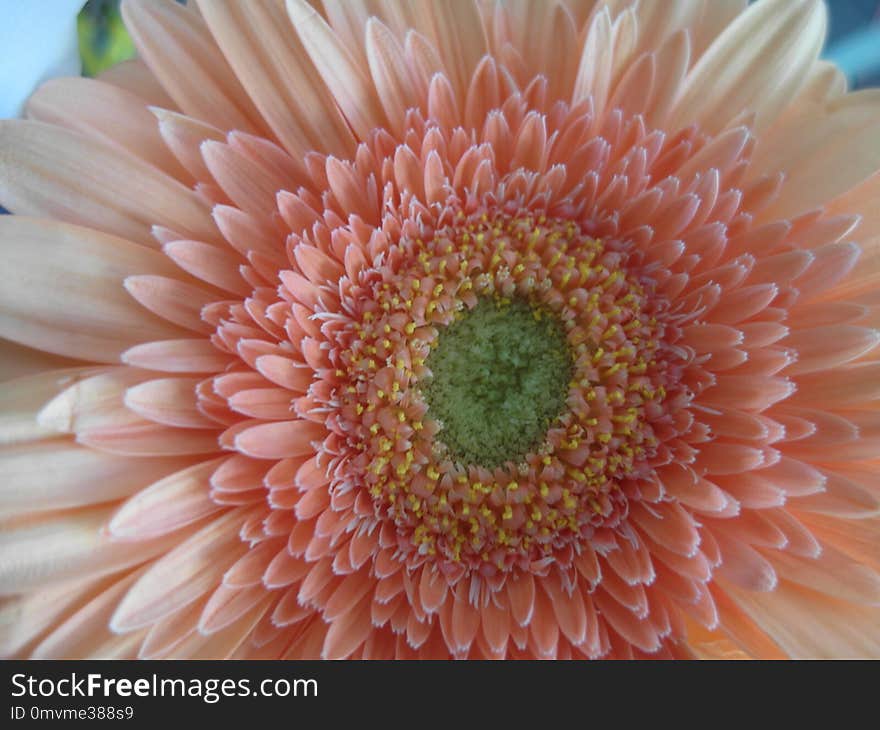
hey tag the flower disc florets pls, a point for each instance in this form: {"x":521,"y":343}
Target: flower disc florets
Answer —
{"x":455,"y":493}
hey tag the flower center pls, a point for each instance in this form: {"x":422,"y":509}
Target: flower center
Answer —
{"x":503,"y":380}
{"x":500,"y":375}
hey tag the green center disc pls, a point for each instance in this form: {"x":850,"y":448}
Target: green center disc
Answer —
{"x":500,"y":376}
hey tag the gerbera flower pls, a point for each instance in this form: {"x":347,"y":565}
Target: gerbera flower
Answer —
{"x":434,"y":329}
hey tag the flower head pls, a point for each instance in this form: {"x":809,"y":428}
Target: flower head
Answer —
{"x":449,"y":330}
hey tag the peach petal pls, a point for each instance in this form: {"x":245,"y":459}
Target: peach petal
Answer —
{"x":46,"y":169}
{"x":169,"y":38}
{"x":249,"y":235}
{"x":264,"y":403}
{"x":183,"y":574}
{"x":348,"y":593}
{"x":748,"y":392}
{"x":638,"y":632}
{"x":841,"y":131}
{"x":21,"y":399}
{"x":72,"y":303}
{"x":177,"y":356}
{"x":25,"y":618}
{"x":742,"y":629}
{"x":224,"y":643}
{"x":59,"y":474}
{"x":247,"y":183}
{"x":284,"y":570}
{"x":521,"y":594}
{"x":183,"y":136}
{"x":395,"y":85}
{"x":170,"y":503}
{"x":145,"y":438}
{"x":66,"y":545}
{"x":495,"y":625}
{"x":239,"y":473}
{"x":744,"y":566}
{"x":171,"y":299}
{"x":211,"y":264}
{"x":543,"y":628}
{"x":133,"y":75}
{"x":17,"y":361}
{"x":348,"y":631}
{"x":814,"y":352}
{"x":752,"y":491}
{"x":732,"y":74}
{"x":84,"y":634}
{"x":171,"y":401}
{"x":798,"y":538}
{"x":842,"y":497}
{"x":169,"y":632}
{"x":280,"y":440}
{"x":226,"y":605}
{"x":718,"y":458}
{"x":569,"y":610}
{"x":87,"y":105}
{"x":345,"y":78}
{"x":840,"y":387}
{"x":277,"y":74}
{"x":831,"y":573}
{"x":92,"y":400}
{"x":726,"y":441}
{"x":808,"y":625}
{"x":669,"y":525}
